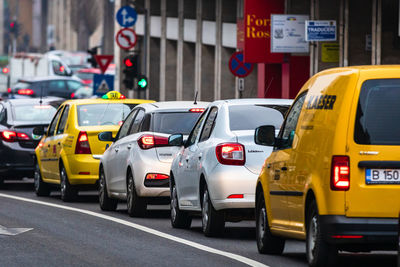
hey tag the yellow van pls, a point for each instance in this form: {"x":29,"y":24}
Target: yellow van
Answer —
{"x":333,"y":178}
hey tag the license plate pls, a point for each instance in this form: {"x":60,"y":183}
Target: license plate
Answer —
{"x":382,"y":176}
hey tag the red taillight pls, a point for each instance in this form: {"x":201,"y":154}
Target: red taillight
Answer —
{"x":348,"y":236}
{"x":72,"y":95}
{"x":340,"y":173}
{"x":230,"y":154}
{"x":197,"y":110}
{"x":25,"y":92}
{"x":82,"y":144}
{"x":8,"y":90}
{"x":150,"y":141}
{"x":236,"y":196}
{"x":122,"y":97}
{"x":156,"y":176}
{"x":11,"y":136}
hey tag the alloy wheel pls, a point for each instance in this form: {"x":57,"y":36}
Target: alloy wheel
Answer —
{"x":205,"y":209}
{"x":174,"y":203}
{"x":312,"y":237}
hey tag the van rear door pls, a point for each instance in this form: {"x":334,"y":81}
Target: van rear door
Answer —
{"x":374,"y":140}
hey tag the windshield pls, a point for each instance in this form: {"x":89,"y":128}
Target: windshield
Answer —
{"x":249,"y":117}
{"x":103,"y":114}
{"x":85,"y":75}
{"x":378,"y":113}
{"x":34,"y":113}
{"x":174,"y":122}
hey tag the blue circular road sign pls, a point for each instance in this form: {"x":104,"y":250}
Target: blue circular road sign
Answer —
{"x":126,"y":16}
{"x":238,"y":67}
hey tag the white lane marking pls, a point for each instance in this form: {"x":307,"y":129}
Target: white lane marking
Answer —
{"x":145,"y":229}
{"x":13,"y":231}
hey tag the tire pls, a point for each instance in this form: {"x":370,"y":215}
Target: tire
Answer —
{"x":68,"y":193}
{"x":1,"y":182}
{"x":179,"y":219}
{"x":135,"y":204}
{"x":213,"y":222}
{"x":266,"y":242}
{"x":318,"y":251}
{"x":106,"y":203}
{"x":41,"y":188}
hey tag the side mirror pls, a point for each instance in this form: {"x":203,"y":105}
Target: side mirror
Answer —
{"x":39,"y":130}
{"x":265,"y":135}
{"x":175,"y":140}
{"x":106,"y":136}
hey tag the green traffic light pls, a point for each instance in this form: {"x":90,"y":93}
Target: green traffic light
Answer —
{"x":142,"y":83}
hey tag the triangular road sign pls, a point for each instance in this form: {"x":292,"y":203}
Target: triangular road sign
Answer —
{"x":103,"y":87}
{"x":103,"y":61}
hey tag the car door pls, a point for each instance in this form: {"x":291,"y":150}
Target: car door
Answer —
{"x":184,"y":179}
{"x":282,"y":197}
{"x":48,"y":153}
{"x":113,"y":163}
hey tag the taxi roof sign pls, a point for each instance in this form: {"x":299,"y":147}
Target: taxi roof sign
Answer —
{"x":113,"y":95}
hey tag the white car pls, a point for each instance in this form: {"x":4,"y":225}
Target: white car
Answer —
{"x":216,"y":170}
{"x":136,"y":166}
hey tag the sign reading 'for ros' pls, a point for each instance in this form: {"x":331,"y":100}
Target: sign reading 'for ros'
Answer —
{"x":256,"y":31}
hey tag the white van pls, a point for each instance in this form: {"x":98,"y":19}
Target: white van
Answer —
{"x":36,"y":65}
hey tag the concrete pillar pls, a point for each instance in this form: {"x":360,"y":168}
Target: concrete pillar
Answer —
{"x":170,"y":72}
{"x":314,"y":48}
{"x":108,"y":27}
{"x":198,"y":55}
{"x":376,"y":32}
{"x":2,"y":51}
{"x":218,"y":49}
{"x":179,"y":59}
{"x":147,"y":46}
{"x":163,"y":47}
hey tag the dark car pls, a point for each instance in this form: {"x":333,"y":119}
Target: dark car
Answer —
{"x":64,"y":87}
{"x":18,"y":117}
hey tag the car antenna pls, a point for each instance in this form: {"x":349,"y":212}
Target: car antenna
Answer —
{"x":41,"y":95}
{"x":195,"y":97}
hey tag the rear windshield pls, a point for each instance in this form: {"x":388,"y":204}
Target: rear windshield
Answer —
{"x":85,"y":75}
{"x":174,"y":122}
{"x":249,"y":117}
{"x":103,"y":114}
{"x":22,"y":85}
{"x":378,"y":113}
{"x":33,"y":113}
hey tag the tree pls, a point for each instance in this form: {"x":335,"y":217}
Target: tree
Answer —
{"x":85,"y":18}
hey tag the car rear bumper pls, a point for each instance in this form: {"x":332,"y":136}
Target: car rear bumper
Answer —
{"x":82,"y":169}
{"x":226,"y":181}
{"x":360,"y":234}
{"x":16,"y":162}
{"x":152,"y":188}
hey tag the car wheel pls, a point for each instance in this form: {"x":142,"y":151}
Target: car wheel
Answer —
{"x":213,"y":222}
{"x":1,"y":182}
{"x":136,"y":205}
{"x":106,"y":203}
{"x":318,"y":251}
{"x":179,"y":219}
{"x":266,"y":242}
{"x":68,"y":193}
{"x":41,"y":188}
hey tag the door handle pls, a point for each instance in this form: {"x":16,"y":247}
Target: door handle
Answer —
{"x":187,"y":159}
{"x":129,"y":146}
{"x":284,"y":168}
{"x":59,"y":143}
{"x":116,"y":149}
{"x":268,"y":165}
{"x":200,"y":155}
{"x":48,"y":145}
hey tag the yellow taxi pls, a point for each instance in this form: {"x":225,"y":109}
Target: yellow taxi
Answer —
{"x":69,"y":153}
{"x":333,"y":178}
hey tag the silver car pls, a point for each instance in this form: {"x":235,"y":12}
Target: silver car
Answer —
{"x":136,"y":166}
{"x":216,"y":170}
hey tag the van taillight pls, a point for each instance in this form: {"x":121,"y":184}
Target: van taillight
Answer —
{"x":25,"y":92}
{"x":230,"y":154}
{"x":82,"y":144}
{"x":149,"y":141}
{"x":340,"y":173}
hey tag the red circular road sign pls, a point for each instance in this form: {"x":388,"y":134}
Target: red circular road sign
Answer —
{"x":237,"y":65}
{"x":126,"y":38}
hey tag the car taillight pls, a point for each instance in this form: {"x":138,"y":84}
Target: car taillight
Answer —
{"x":340,"y":173}
{"x":230,"y":154}
{"x":149,"y":141}
{"x":156,"y":176}
{"x":82,"y":144}
{"x":72,"y":95}
{"x":11,"y":136}
{"x":25,"y":92}
{"x":196,"y":110}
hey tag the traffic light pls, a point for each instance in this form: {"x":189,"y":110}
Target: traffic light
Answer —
{"x":14,"y":27}
{"x":92,"y":60}
{"x":142,"y":83}
{"x":130,"y":70}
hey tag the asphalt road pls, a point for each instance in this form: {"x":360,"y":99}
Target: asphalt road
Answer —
{"x":80,"y":234}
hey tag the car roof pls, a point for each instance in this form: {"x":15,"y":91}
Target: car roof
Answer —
{"x":101,"y":101}
{"x":25,"y":101}
{"x":47,"y":78}
{"x":171,"y":106}
{"x":253,"y":101}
